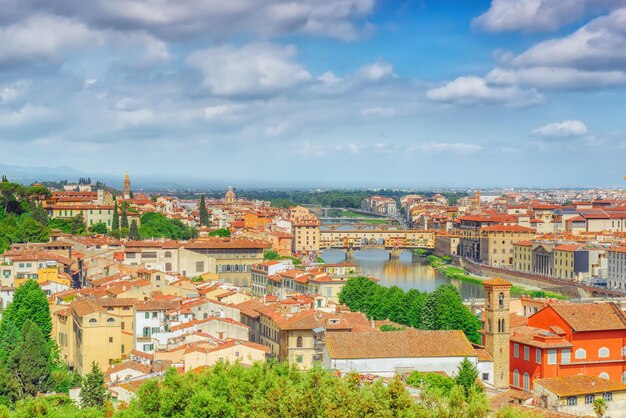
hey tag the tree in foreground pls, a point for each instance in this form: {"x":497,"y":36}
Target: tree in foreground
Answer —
{"x":93,"y":392}
{"x":466,"y":375}
{"x":31,"y":364}
{"x":599,"y":407}
{"x":115,"y":223}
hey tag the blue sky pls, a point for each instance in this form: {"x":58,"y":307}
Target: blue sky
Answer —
{"x":318,"y":92}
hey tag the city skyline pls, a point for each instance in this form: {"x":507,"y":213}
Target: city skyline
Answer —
{"x":359,"y":93}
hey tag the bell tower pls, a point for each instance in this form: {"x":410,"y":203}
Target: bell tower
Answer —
{"x":496,"y":334}
{"x":126,"y":193}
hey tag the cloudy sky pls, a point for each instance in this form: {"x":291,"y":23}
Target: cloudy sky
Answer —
{"x":318,"y":92}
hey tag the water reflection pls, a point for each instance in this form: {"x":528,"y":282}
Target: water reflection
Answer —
{"x":402,"y":272}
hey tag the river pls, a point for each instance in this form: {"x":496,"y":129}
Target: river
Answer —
{"x":402,"y":272}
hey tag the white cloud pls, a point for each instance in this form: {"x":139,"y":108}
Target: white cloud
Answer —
{"x":567,"y":128}
{"x":376,"y":71}
{"x":181,"y":19}
{"x":89,"y":82}
{"x":329,"y":78}
{"x":450,"y":147}
{"x":472,"y":90}
{"x":27,"y":114}
{"x":555,"y":78}
{"x":12,"y":91}
{"x":598,"y":45}
{"x":44,"y":37}
{"x":221,"y":111}
{"x":254,"y":69}
{"x":538,"y":15}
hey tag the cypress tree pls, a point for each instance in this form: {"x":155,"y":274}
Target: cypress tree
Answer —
{"x":31,"y":364}
{"x":204,"y":214}
{"x":93,"y":392}
{"x":133,"y":233}
{"x":115,"y":224}
{"x":124,"y":222}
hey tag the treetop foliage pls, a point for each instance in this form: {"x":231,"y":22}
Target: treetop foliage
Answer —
{"x":442,"y":309}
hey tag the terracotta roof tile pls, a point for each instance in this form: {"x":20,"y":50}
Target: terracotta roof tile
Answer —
{"x":398,"y":344}
{"x":580,"y":385}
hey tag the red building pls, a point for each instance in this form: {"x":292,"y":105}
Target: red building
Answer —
{"x":566,"y":339}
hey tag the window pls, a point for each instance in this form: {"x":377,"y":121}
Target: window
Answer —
{"x":589,"y":399}
{"x":168,"y":254}
{"x":485,"y":376}
{"x":608,"y":396}
{"x":110,"y":339}
{"x":604,"y":375}
{"x":572,"y":401}
{"x":515,"y":378}
{"x":123,"y":349}
{"x":199,"y":266}
{"x":603,"y":352}
{"x":551,"y":356}
{"x":147,"y":315}
{"x":110,"y":320}
{"x":565,"y":355}
{"x":299,"y":359}
{"x":516,"y":350}
{"x":538,"y":355}
{"x":526,"y":381}
{"x":526,"y":353}
{"x":299,"y":342}
{"x":580,"y":353}
{"x":92,"y":321}
{"x":154,"y":314}
{"x":623,"y":351}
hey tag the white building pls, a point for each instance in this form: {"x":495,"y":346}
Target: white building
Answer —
{"x":389,"y":353}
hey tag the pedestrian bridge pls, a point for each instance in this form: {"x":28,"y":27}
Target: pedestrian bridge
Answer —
{"x":387,"y":239}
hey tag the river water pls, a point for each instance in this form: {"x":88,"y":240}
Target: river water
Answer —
{"x":402,"y":272}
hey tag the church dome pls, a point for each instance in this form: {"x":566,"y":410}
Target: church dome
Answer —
{"x":230,"y":195}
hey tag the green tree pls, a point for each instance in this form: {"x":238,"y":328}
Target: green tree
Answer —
{"x":599,"y":407}
{"x":115,"y":223}
{"x":31,"y":363}
{"x":99,"y":228}
{"x":33,"y":231}
{"x":204,"y":214}
{"x":124,"y":221}
{"x":39,"y":214}
{"x":93,"y":392}
{"x":133,"y":232}
{"x":271,"y":255}
{"x":431,"y":380}
{"x":221,"y":232}
{"x":29,"y":303}
{"x":77,"y":224}
{"x":466,"y":375}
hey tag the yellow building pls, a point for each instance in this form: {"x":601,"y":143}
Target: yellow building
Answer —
{"x":523,"y":256}
{"x":92,"y":214}
{"x":496,"y":243}
{"x":306,"y":234}
{"x":99,"y":330}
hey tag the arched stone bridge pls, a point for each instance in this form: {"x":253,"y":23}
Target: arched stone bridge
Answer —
{"x":388,"y":239}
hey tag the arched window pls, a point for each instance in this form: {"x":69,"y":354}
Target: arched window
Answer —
{"x":110,"y":320}
{"x":580,"y":353}
{"x":244,"y":282}
{"x":168,"y":254}
{"x":92,"y":321}
{"x":624,"y":351}
{"x":299,"y":342}
{"x":604,"y":375}
{"x":624,"y":377}
{"x":501,"y":300}
{"x":227,"y":267}
{"x":515,"y":378}
{"x":168,"y":266}
{"x":603,"y":352}
{"x":526,"y":381}
{"x":489,"y":324}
